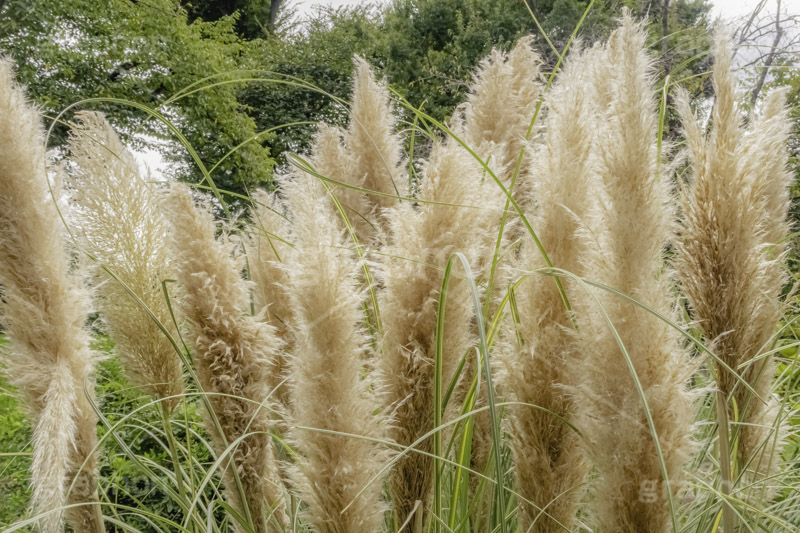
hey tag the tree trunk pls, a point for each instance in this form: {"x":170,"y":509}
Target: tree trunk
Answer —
{"x":770,"y":56}
{"x":274,"y":8}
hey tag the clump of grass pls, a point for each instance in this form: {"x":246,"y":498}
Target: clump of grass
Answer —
{"x":452,"y":192}
{"x":362,"y":329}
{"x":43,"y":308}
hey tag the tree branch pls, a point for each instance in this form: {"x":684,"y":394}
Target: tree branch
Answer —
{"x":770,"y":57}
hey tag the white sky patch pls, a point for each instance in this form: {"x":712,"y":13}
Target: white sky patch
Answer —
{"x":151,"y":163}
{"x":305,"y":8}
{"x":738,"y":8}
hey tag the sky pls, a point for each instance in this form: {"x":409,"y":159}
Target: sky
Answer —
{"x":726,"y":8}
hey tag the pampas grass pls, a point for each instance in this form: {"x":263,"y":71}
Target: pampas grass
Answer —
{"x":268,"y":249}
{"x":732,"y":250}
{"x":119,"y":224}
{"x":538,"y":357}
{"x":634,"y":225}
{"x":452,"y":189}
{"x":43,"y":309}
{"x":233,"y":353}
{"x":374,"y":388}
{"x":497,"y":118}
{"x":336,"y":418}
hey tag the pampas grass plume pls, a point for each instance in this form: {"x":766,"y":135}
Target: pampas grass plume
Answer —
{"x":501,"y":105}
{"x":452,"y":189}
{"x":233,"y":353}
{"x":367,"y":155}
{"x":331,"y":389}
{"x":549,"y":464}
{"x":635,"y":223}
{"x":268,"y":250}
{"x":732,"y":248}
{"x":43,"y":310}
{"x":119,"y":222}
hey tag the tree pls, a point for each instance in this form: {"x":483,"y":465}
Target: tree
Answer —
{"x":431,"y":46}
{"x":144,"y":52}
{"x":321,"y":56}
{"x":255,"y":18}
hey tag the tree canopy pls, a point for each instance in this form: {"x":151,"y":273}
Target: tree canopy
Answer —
{"x":195,"y":62}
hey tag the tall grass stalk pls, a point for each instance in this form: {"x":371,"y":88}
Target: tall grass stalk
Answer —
{"x":337,"y":421}
{"x":117,"y":221}
{"x":539,"y":353}
{"x":415,"y":257}
{"x":233,"y":353}
{"x":43,"y":309}
{"x":636,"y":409}
{"x":732,"y":251}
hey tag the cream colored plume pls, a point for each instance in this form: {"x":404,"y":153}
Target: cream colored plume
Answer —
{"x":119,"y":223}
{"x":268,"y":249}
{"x":732,"y":250}
{"x":43,"y":310}
{"x":632,"y":229}
{"x":233,"y":355}
{"x":458,"y":209}
{"x":367,"y":155}
{"x":538,"y":357}
{"x":336,"y":417}
{"x":500,"y":108}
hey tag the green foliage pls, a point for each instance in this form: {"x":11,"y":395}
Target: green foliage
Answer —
{"x":431,"y":47}
{"x":255,"y":18}
{"x":148,"y":52}
{"x":323,"y":57}
{"x":15,"y":438}
{"x":142,"y":430}
{"x":145,"y":52}
{"x":123,"y":480}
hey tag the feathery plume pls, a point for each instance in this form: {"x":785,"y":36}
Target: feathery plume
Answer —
{"x":367,"y":155}
{"x":501,"y":105}
{"x":732,"y":247}
{"x":331,"y":389}
{"x":120,"y":224}
{"x":233,"y":353}
{"x":421,"y":240}
{"x":43,"y":309}
{"x":636,"y":224}
{"x":494,"y":122}
{"x":549,"y":463}
{"x":267,"y":249}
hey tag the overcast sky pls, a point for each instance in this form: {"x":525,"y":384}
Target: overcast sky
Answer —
{"x":726,"y":8}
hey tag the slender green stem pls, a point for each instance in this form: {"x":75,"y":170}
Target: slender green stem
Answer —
{"x":728,"y":516}
{"x":173,"y":451}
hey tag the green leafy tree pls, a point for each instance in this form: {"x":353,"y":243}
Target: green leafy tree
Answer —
{"x":430,"y":47}
{"x":255,"y":18}
{"x":144,"y":52}
{"x":321,"y":56}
